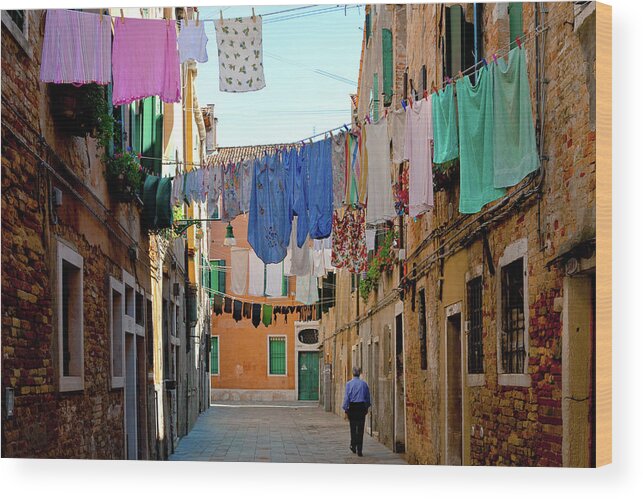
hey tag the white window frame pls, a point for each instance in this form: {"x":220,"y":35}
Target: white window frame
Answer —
{"x":218,"y":373}
{"x":70,"y":383}
{"x":21,"y":36}
{"x":129,"y":321}
{"x":477,"y":379}
{"x":513,"y":252}
{"x":285,"y":353}
{"x":119,"y":287}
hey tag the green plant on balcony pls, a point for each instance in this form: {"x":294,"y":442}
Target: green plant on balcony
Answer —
{"x":384,"y":260}
{"x":445,"y":175}
{"x":123,"y":170}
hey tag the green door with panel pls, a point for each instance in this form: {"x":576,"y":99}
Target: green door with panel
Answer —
{"x":308,"y":375}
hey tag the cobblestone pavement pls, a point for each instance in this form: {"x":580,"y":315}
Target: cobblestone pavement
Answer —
{"x":278,"y":432}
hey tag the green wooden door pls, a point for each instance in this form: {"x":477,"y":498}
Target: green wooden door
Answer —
{"x":308,"y":375}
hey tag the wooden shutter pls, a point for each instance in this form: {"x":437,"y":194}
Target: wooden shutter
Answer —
{"x":387,"y":65}
{"x":515,"y":22}
{"x":376,"y":97}
{"x":277,"y":347}
{"x":214,"y":355}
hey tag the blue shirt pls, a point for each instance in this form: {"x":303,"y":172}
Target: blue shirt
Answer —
{"x":356,"y":391}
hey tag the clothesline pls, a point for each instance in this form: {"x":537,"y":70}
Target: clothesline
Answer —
{"x":270,"y":300}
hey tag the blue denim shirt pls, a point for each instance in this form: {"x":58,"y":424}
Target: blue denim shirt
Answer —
{"x":356,"y":391}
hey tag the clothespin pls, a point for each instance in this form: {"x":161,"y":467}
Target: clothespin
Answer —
{"x":495,"y":58}
{"x":426,"y":95}
{"x":331,"y":133}
{"x":433,"y":87}
{"x":122,"y":16}
{"x":518,"y":42}
{"x":403,"y":105}
{"x":346,"y":127}
{"x":311,"y":141}
{"x":449,"y":79}
{"x":460,"y":74}
{"x":254,"y":18}
{"x":484,"y":61}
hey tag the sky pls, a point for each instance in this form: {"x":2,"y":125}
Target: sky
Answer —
{"x":297,"y":100}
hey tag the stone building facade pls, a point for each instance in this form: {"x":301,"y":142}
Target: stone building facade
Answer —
{"x":82,"y":350}
{"x":495,"y":310}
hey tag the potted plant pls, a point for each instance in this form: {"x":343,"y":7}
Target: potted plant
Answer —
{"x":384,"y":260}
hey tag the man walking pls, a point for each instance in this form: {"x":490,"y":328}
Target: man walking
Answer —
{"x":357,"y":400}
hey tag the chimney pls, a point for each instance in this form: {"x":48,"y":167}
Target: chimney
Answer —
{"x":210,"y":129}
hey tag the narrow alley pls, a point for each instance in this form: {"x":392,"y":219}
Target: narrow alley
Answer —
{"x":276,"y":432}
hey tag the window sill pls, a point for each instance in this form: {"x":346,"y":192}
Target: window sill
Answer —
{"x":475,"y":379}
{"x":523,"y":380}
{"x":71,"y":384}
{"x":118,"y":382}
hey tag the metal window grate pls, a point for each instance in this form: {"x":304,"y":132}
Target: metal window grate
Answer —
{"x":422,"y":329}
{"x":475,"y":354}
{"x":513,"y":318}
{"x":277,"y":355}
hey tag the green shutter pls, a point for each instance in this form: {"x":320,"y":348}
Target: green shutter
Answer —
{"x":387,"y":65}
{"x":222,"y":275}
{"x":277,"y":355}
{"x":515,"y":22}
{"x":214,"y":355}
{"x":376,"y":98}
{"x":368,"y":27}
{"x":217,"y":275}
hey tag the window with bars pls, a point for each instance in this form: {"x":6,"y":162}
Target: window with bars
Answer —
{"x":422,"y":328}
{"x":214,"y":355}
{"x":475,"y":354}
{"x":513,"y":318}
{"x":277,"y":355}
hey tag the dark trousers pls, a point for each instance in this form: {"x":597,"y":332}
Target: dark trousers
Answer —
{"x":357,"y":417}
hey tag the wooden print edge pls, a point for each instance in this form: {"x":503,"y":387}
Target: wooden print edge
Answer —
{"x":604,"y":234}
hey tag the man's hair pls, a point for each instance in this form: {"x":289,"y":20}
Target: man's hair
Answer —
{"x":357,"y":371}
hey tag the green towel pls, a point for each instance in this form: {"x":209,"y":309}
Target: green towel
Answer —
{"x":445,"y":132}
{"x":163,"y":217}
{"x":515,"y":152}
{"x":266,"y":316}
{"x":475,"y":126}
{"x":149,"y":201}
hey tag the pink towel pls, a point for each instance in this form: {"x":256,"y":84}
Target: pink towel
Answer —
{"x":77,"y":48}
{"x":145,"y":60}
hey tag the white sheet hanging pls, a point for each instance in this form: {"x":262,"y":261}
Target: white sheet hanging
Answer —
{"x":256,"y":275}
{"x":239,"y":269}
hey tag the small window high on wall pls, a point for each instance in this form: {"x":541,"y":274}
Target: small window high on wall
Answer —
{"x":70,"y":319}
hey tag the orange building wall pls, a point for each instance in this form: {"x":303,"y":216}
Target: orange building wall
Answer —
{"x":243,"y":349}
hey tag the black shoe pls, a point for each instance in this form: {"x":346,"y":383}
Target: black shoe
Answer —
{"x":359,"y":453}
{"x":353,"y":449}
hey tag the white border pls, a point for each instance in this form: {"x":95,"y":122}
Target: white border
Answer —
{"x":268,"y":354}
{"x":119,"y":287}
{"x":66,"y":253}
{"x":514,"y":251}
{"x":450,"y":311}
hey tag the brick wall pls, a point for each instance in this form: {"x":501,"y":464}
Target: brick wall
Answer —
{"x":47,"y":422}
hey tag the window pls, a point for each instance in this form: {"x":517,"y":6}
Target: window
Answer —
{"x":214,"y":355}
{"x":328,"y":292}
{"x":277,"y":355}
{"x":140,"y":312}
{"x":474,"y":319}
{"x":17,"y":23}
{"x":422,"y":329}
{"x":463,"y":40}
{"x":117,"y":333}
{"x":513,"y":318}
{"x":308,"y":336}
{"x":387,"y":66}
{"x":515,"y":22}
{"x":70,"y":319}
{"x":368,"y":27}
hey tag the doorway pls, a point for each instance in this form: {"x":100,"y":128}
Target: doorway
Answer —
{"x":308,"y":375}
{"x":400,"y":412}
{"x":131,"y":433}
{"x":578,"y":368}
{"x":454,"y":389}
